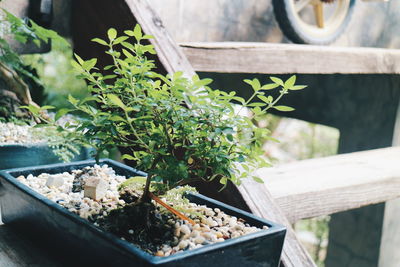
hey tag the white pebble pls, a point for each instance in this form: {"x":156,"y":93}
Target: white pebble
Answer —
{"x":185,"y":229}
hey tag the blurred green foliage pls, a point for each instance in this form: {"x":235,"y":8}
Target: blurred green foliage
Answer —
{"x":55,"y":72}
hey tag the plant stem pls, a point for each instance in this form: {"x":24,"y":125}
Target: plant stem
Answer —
{"x":246,"y":103}
{"x":276,"y":100}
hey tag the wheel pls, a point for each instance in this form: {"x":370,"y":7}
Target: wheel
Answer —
{"x":313,"y":21}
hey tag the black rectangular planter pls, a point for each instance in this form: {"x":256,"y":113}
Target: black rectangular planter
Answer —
{"x":78,"y":242}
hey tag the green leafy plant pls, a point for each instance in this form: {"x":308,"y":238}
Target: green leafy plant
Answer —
{"x":175,"y":128}
{"x":19,"y":77}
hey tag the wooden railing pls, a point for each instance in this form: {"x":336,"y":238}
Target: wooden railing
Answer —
{"x":267,"y":58}
{"x":315,"y":187}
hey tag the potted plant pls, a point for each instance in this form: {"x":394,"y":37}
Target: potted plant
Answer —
{"x":179,"y":131}
{"x":20,"y":143}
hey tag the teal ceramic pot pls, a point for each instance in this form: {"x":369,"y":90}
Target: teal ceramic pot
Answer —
{"x":24,"y":155}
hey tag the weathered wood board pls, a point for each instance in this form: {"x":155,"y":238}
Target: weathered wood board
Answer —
{"x":336,"y":183}
{"x":268,"y":58}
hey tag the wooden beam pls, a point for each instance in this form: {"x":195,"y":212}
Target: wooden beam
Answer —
{"x":268,"y":58}
{"x":92,"y":18}
{"x":169,"y":53}
{"x":315,"y":187}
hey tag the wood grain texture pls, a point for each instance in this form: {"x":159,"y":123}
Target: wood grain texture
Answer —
{"x":268,"y":58}
{"x":261,"y":203}
{"x":328,"y":185}
{"x":92,"y":18}
{"x":168,"y":52}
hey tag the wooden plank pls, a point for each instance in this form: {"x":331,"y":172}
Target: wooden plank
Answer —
{"x":261,"y":203}
{"x":92,"y":19}
{"x":268,"y":58}
{"x":336,"y":183}
{"x":168,"y":52}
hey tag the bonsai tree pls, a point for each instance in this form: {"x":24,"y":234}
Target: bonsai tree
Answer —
{"x":173,"y":127}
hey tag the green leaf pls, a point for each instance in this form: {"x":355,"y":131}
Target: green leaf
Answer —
{"x":203,"y":82}
{"x":116,"y":118}
{"x":137,"y":32}
{"x":112,"y":33}
{"x":76,"y":66}
{"x":100,"y":41}
{"x":129,"y":157}
{"x":290,"y":82}
{"x":277,"y":81}
{"x":61,"y":113}
{"x":256,"y":84}
{"x":72,"y":100}
{"x":126,"y":53}
{"x":129,"y":33}
{"x":297,"y":87}
{"x":269,"y":86}
{"x":258,"y":179}
{"x":264,"y":98}
{"x":89,"y":64}
{"x":283,"y":108}
{"x":250,"y":82}
{"x":47,"y":107}
{"x":116,"y":101}
{"x":256,"y":104}
{"x":80,"y":60}
{"x":223,"y":180}
{"x":120,"y":39}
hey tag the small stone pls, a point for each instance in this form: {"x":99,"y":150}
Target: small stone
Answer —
{"x":217,"y":210}
{"x":196,"y":226}
{"x":211,"y":222}
{"x":199,"y":240}
{"x":183,"y":244}
{"x":232,"y":222}
{"x":166,"y":248}
{"x":177,"y":231}
{"x":219,"y":221}
{"x":238,"y":227}
{"x":194,"y":233}
{"x":209,"y":236}
{"x":235,"y":234}
{"x":130,"y":231}
{"x":54,"y":181}
{"x":210,"y":212}
{"x":185,"y":229}
{"x":95,"y":188}
{"x":159,"y":253}
{"x":265,"y":227}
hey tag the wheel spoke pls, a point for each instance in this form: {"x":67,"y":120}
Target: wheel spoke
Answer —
{"x":301,"y":4}
{"x":319,"y":14}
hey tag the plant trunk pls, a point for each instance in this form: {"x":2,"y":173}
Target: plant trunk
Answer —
{"x":10,"y":103}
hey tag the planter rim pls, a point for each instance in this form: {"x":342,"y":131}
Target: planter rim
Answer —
{"x":122,"y":244}
{"x":26,"y":145}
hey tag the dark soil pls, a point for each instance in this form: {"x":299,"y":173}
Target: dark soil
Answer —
{"x":150,"y":227}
